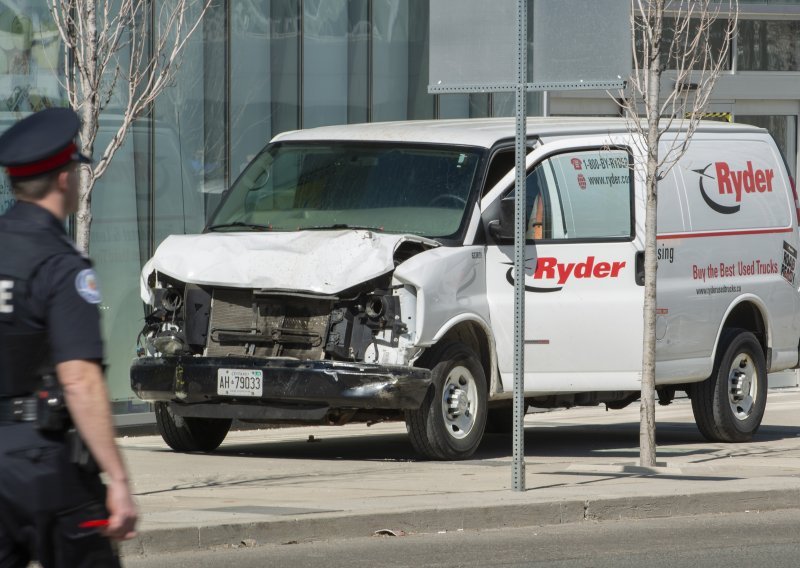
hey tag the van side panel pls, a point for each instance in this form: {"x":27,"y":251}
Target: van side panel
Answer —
{"x":739,"y":242}
{"x":448,"y":281}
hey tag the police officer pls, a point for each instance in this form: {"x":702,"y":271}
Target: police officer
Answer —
{"x":53,"y":505}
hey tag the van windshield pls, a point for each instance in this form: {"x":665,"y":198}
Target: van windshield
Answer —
{"x":421,"y":190}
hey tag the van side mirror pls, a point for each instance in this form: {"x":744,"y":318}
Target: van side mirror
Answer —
{"x":502,"y":229}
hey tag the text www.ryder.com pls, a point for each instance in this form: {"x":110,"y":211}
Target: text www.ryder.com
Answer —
{"x":718,"y":290}
{"x":612,"y":179}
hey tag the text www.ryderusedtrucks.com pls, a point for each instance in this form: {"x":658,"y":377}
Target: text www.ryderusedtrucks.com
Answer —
{"x":710,"y":290}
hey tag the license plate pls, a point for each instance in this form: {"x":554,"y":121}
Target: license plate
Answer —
{"x":240,"y":382}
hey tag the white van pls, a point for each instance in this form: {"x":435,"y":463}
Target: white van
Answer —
{"x":365,"y":272}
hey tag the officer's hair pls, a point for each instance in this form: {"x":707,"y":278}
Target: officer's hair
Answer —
{"x":36,"y":188}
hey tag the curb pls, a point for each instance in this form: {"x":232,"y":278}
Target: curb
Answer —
{"x":343,"y":526}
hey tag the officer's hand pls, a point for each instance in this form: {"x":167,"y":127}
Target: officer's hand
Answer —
{"x":122,"y":512}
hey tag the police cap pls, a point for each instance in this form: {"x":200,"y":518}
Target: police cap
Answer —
{"x":40,"y":143}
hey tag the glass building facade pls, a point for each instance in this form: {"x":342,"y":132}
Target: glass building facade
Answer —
{"x":256,"y":68}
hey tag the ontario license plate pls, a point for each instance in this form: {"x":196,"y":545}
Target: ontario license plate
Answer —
{"x":240,"y":382}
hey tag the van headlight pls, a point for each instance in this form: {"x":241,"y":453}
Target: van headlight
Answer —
{"x":167,"y":341}
{"x":169,"y":298}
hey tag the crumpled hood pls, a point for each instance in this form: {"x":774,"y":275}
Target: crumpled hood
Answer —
{"x":324,"y":262}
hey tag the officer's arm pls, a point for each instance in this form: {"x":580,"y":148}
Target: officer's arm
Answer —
{"x":87,"y":399}
{"x":73,"y":320}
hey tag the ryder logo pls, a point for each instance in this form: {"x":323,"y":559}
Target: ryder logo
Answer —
{"x":735,"y":183}
{"x":550,"y":271}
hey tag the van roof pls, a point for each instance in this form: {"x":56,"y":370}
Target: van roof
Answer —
{"x":483,"y":132}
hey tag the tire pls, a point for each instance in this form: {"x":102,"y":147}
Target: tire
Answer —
{"x":729,"y":405}
{"x":450,"y":422}
{"x":185,"y":434}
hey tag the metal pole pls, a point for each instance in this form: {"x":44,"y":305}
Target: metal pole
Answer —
{"x":518,"y":469}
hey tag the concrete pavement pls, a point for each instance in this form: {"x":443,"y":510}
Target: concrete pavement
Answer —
{"x":298,"y":484}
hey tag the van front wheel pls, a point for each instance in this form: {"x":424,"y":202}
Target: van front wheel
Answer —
{"x":449,"y":425}
{"x":185,"y":434}
{"x":729,"y":405}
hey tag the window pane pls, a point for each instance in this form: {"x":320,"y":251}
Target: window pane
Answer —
{"x":31,"y":58}
{"x":464,"y":106}
{"x":504,"y":104}
{"x":358,"y":61}
{"x":250,"y":120}
{"x":580,"y":195}
{"x":768,"y":45}
{"x":215,"y":152}
{"x":285,"y":65}
{"x":421,"y":104}
{"x":188,"y":176}
{"x":119,"y":241}
{"x":400,"y":60}
{"x":398,"y":189}
{"x":325,"y":56}
{"x":716,"y":39}
{"x":454,"y":106}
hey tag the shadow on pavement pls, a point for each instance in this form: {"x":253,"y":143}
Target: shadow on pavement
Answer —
{"x":606,"y":441}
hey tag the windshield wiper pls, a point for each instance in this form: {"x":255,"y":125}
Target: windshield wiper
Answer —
{"x":239,"y":224}
{"x":341,"y":226}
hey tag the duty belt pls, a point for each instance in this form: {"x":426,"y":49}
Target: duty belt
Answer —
{"x":18,"y":409}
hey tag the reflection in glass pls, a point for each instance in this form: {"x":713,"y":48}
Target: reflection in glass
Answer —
{"x":325,"y":58}
{"x":400,"y":60}
{"x":250,"y":118}
{"x":768,"y":45}
{"x":285,"y":74}
{"x":358,"y":61}
{"x":31,"y":58}
{"x":716,"y":39}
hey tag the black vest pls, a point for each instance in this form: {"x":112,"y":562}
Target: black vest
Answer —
{"x":24,"y":347}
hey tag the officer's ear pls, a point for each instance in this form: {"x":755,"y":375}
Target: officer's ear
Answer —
{"x":62,"y":181}
{"x":66,"y":176}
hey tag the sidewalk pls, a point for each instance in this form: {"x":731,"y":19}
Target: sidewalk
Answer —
{"x":297,"y":484}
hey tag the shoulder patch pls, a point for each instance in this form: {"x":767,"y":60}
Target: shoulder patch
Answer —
{"x":87,"y":287}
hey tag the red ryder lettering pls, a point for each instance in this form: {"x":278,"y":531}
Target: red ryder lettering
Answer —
{"x":749,"y":180}
{"x":548,"y":267}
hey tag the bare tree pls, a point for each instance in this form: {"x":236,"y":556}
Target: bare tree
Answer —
{"x":687,"y":42}
{"x":118,"y":50}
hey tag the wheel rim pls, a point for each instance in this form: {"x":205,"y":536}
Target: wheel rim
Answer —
{"x":459,"y":402}
{"x":742,"y":386}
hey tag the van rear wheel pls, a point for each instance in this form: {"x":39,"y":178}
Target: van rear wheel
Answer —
{"x":730,"y":404}
{"x":450,"y":422}
{"x":187,"y":434}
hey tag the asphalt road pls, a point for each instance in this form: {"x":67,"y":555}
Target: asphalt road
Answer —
{"x":712,"y":541}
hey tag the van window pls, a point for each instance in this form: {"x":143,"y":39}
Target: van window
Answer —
{"x":400,"y":188}
{"x":502,"y":162}
{"x":581,"y":195}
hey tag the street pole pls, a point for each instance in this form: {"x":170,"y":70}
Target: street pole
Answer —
{"x":518,"y":469}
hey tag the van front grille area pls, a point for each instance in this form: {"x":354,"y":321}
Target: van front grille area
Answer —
{"x":244,"y":323}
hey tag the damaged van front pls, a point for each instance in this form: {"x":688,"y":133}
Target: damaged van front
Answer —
{"x":289,"y":308}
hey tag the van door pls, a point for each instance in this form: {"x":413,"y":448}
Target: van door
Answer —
{"x":583,"y":300}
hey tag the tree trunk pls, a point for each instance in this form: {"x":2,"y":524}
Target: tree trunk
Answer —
{"x":647,"y":428}
{"x":90,"y":116}
{"x":83,"y":217}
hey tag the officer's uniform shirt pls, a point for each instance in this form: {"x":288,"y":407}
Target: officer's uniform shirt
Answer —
{"x":64,"y":295}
